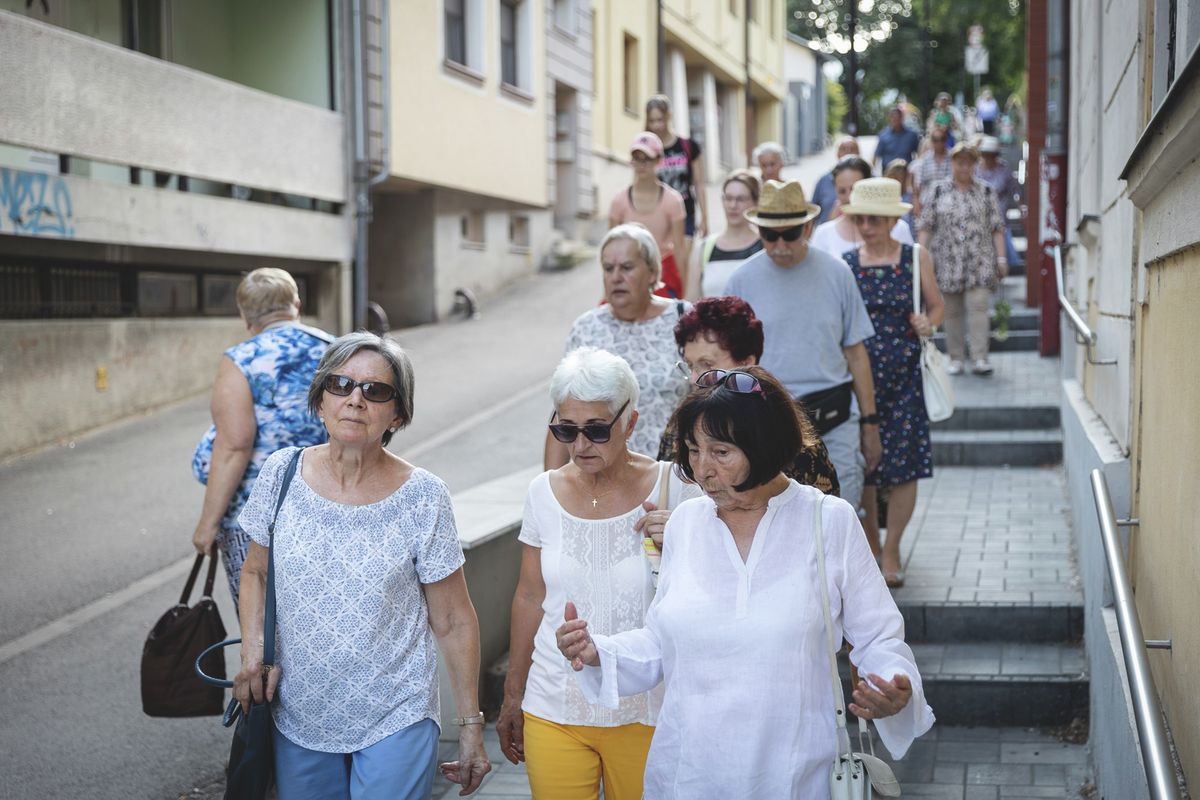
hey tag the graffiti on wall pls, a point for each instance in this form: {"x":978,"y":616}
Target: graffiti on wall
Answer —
{"x":35,"y":204}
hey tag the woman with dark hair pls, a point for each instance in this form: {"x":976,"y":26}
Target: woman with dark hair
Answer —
{"x":723,"y":333}
{"x":681,"y":168}
{"x":719,"y":255}
{"x":839,"y":235}
{"x":735,"y":632}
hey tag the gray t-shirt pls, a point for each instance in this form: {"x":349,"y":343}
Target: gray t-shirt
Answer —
{"x":809,"y":313}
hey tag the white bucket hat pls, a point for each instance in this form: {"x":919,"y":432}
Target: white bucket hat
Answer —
{"x":876,"y":196}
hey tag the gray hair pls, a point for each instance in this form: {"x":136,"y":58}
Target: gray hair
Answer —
{"x":769,"y":147}
{"x":350,"y":345}
{"x":646,"y":244}
{"x":592,"y":375}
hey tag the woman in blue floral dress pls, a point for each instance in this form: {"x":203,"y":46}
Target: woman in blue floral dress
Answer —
{"x":884,"y":270}
{"x":259,"y":405}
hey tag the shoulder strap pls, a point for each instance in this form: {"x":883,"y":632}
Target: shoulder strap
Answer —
{"x":317,"y":333}
{"x":664,"y":485}
{"x":916,"y":271}
{"x":710,"y":244}
{"x":269,"y":611}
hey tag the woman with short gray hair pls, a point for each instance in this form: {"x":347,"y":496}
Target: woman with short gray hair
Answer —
{"x":637,"y":326}
{"x":369,"y":588}
{"x":257,"y":407}
{"x":582,"y":536}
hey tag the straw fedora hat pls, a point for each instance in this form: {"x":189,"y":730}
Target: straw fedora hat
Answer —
{"x":876,"y":196}
{"x":782,"y":205}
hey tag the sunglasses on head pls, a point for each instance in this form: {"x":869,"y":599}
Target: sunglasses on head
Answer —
{"x":375,"y":391}
{"x":787,"y":234}
{"x":733,"y":380}
{"x":595,"y":432}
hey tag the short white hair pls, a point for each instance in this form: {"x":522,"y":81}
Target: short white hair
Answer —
{"x":643,"y":239}
{"x":769,"y":147}
{"x":592,"y":375}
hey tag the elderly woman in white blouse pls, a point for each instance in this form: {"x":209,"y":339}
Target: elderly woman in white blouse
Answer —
{"x":583,"y":532}
{"x":368,"y":573}
{"x":735,"y":632}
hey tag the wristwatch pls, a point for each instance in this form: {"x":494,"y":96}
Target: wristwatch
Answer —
{"x":869,"y":419}
{"x":470,"y":719}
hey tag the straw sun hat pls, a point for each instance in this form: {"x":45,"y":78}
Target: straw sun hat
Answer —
{"x":876,"y":196}
{"x":782,"y":205}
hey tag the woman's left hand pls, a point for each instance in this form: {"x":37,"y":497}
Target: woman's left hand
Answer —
{"x":876,"y":703}
{"x":920,"y":324}
{"x":472,"y":764}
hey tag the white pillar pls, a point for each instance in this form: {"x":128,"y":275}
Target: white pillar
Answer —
{"x":677,"y":90}
{"x":712,"y":124}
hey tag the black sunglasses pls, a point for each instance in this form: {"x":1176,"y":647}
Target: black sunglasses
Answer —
{"x":596,"y":432}
{"x":787,"y":234}
{"x":733,"y":380}
{"x":375,"y":391}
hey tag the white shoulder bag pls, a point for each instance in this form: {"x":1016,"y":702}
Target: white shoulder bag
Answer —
{"x":854,"y":775}
{"x":935,"y":381}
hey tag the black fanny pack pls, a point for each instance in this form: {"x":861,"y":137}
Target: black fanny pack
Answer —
{"x":828,"y":408}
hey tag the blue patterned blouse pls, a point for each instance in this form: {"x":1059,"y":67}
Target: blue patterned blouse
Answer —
{"x":279,"y":365}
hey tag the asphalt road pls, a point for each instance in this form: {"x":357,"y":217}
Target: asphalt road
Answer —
{"x":84,"y":522}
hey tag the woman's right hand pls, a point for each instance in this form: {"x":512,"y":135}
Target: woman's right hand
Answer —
{"x":511,"y":727}
{"x":248,"y":683}
{"x":574,"y":642}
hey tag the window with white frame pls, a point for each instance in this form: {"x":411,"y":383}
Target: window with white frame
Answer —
{"x":516,"y":45}
{"x":463,"y":39}
{"x":564,"y":16}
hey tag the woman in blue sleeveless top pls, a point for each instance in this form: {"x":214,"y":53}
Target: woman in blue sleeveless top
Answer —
{"x":259,"y":405}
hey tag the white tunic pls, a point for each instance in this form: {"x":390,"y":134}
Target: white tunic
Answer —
{"x":740,"y":647}
{"x":599,"y":565}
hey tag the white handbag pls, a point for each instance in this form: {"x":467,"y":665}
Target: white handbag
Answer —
{"x":854,"y":775}
{"x":935,"y":381}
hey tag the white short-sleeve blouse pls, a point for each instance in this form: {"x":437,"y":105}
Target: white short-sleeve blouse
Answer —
{"x":358,"y":659}
{"x":599,"y":565}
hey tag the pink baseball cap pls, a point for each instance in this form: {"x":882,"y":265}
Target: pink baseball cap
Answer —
{"x":648,"y":143}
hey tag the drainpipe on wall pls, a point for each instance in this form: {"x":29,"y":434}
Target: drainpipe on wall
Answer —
{"x":661,"y":48}
{"x":749,"y":93}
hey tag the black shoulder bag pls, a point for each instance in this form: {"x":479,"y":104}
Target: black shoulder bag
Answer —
{"x":251,"y":770}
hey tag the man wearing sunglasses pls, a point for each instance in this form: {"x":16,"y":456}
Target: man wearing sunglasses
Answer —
{"x":814,"y":325}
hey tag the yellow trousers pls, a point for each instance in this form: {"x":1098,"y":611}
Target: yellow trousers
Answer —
{"x":566,"y":762}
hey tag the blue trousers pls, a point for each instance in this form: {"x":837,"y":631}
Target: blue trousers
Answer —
{"x":399,"y":767}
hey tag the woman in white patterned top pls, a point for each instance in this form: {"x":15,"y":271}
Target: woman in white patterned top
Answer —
{"x":368,"y":574}
{"x":638,"y":327}
{"x":582,"y":534}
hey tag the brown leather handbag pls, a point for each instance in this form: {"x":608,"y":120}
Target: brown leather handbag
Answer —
{"x":170,"y":686}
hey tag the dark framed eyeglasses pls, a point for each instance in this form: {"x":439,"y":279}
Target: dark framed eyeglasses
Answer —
{"x":375,"y":391}
{"x":595,"y":432}
{"x":787,"y":234}
{"x":731,"y":379}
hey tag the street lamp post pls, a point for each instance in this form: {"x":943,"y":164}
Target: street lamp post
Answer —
{"x":853,"y":86}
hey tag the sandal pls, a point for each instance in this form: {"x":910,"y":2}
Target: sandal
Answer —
{"x":893,"y":578}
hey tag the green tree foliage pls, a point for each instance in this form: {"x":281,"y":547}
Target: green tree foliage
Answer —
{"x":890,"y":49}
{"x":836,"y":106}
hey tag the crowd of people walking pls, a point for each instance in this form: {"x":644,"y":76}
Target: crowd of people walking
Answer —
{"x":725,"y":425}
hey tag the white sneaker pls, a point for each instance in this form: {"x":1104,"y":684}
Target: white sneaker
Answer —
{"x":955,"y":367}
{"x":981,"y":367}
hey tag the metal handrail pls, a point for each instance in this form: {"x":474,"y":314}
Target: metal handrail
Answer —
{"x":1083,"y":333}
{"x":1156,"y":757}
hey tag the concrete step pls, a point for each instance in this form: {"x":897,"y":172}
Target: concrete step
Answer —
{"x":1000,"y":418}
{"x":1029,"y":622}
{"x":992,"y":448}
{"x":1001,"y":683}
{"x":1016,"y":341}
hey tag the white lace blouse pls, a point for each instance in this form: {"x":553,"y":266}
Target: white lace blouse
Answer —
{"x":599,"y":565}
{"x":358,"y":659}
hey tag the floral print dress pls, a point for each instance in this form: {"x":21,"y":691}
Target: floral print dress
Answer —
{"x":279,"y":365}
{"x":895,"y":352}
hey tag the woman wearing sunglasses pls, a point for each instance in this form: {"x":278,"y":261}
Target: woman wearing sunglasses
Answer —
{"x":369,"y":590}
{"x":258,"y":406}
{"x":720,"y":334}
{"x":735,"y":633}
{"x":884,"y":268}
{"x":582,"y":541}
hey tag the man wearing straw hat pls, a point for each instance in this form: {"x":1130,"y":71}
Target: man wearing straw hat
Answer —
{"x":815,"y":323}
